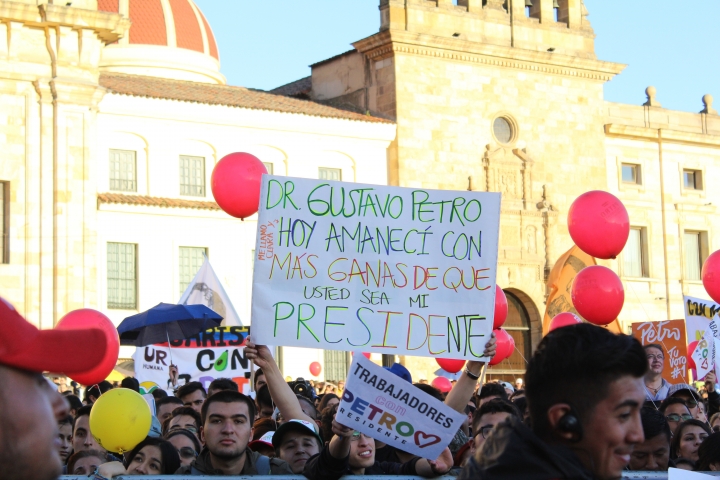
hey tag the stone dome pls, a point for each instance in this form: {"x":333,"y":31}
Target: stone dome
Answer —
{"x":167,"y":38}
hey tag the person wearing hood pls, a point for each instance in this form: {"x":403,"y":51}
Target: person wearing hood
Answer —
{"x":584,"y":388}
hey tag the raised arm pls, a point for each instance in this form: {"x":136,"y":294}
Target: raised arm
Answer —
{"x":463,"y":390}
{"x":282,"y":395}
{"x":435,"y":468}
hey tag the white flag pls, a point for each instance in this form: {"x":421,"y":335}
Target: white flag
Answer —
{"x":206,"y":289}
{"x":704,"y":354}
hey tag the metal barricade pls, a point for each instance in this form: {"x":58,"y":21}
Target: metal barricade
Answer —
{"x":627,"y":475}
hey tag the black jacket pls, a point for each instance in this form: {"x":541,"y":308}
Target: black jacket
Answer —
{"x":203,"y":465}
{"x":513,"y":451}
{"x":324,"y":466}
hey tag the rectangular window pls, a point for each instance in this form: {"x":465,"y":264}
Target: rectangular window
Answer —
{"x":337,"y":363}
{"x":122,"y":276}
{"x":269,"y":167}
{"x":4,"y":222}
{"x":634,"y":254}
{"x":692,"y":179}
{"x":191,"y":259}
{"x":330,"y":174}
{"x":192,"y":176}
{"x":695,"y":247}
{"x":123,"y":170}
{"x":631,"y":173}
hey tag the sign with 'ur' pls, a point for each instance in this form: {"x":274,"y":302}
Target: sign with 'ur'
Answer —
{"x":347,"y":266}
{"x":383,"y":406}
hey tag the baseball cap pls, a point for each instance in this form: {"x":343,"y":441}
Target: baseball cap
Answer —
{"x":296,"y":425}
{"x":679,"y":387}
{"x":24,"y":346}
{"x":507,"y":385}
{"x":264,"y":440}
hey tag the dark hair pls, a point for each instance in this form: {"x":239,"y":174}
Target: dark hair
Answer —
{"x":189,"y":388}
{"x":185,"y":433}
{"x":654,"y":345}
{"x":228,"y":396}
{"x":74,"y":401}
{"x":709,"y":452}
{"x":686,"y":461}
{"x":263,"y":426}
{"x":220,"y":384}
{"x":430,"y":390}
{"x":258,"y":373}
{"x":311,"y":403}
{"x":576,"y":365}
{"x":325,"y":399}
{"x":82,"y":411}
{"x":521,"y":405}
{"x":326,"y":419}
{"x":492,"y":390}
{"x":263,"y":397}
{"x":675,"y":445}
{"x":186,"y":411}
{"x":169,"y":399}
{"x":66,"y":420}
{"x":131,"y":383}
{"x":84,"y":454}
{"x":496,"y":405}
{"x":517,"y":393}
{"x":654,"y":423}
{"x":671,"y":401}
{"x":158,"y":394}
{"x":98,"y":389}
{"x":170,"y":461}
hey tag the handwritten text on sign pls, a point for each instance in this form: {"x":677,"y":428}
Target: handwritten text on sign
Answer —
{"x":347,"y":266}
{"x":670,"y":335}
{"x":385,"y":407}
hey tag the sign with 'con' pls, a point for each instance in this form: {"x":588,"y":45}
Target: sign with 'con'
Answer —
{"x":347,"y":266}
{"x":383,"y":406}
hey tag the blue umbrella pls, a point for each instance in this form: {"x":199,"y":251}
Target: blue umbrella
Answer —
{"x":165,"y":322}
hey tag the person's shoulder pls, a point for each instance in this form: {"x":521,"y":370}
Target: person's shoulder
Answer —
{"x":278,"y":466}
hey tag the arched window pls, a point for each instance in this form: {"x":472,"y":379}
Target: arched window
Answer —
{"x":517,"y":325}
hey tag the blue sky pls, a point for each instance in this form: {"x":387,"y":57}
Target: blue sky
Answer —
{"x":669,"y":44}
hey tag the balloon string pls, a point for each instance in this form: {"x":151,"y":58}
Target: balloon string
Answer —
{"x":169,"y":347}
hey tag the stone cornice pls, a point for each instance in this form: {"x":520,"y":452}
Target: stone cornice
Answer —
{"x":668,"y":136}
{"x":392,"y":42}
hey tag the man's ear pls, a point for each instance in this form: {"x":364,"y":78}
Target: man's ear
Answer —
{"x":201,"y":431}
{"x":555,"y":413}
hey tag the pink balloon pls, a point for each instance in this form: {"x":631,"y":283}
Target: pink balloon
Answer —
{"x":711,"y":276}
{"x":235,"y":184}
{"x":564,"y":319}
{"x":505,"y":346}
{"x":501,"y":308}
{"x":599,"y":224}
{"x":450,"y":365}
{"x":315,"y":368}
{"x":88,"y":318}
{"x":442,"y":384}
{"x":690,"y":350}
{"x":598,"y":294}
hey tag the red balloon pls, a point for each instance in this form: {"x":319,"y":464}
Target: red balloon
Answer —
{"x":690,"y":350}
{"x":315,"y":368}
{"x":505,"y":346}
{"x":442,"y":384}
{"x":89,"y":318}
{"x":365,"y":354}
{"x":450,"y":365}
{"x":711,"y":276}
{"x":501,"y":307}
{"x":564,"y":319}
{"x":599,"y":224}
{"x":235,"y":184}
{"x":598,"y":294}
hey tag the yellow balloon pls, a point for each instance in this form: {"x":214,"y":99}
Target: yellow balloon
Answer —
{"x":120,"y":419}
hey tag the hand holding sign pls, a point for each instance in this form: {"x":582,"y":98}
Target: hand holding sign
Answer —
{"x":442,"y":464}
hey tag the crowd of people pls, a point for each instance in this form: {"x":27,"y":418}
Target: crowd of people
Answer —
{"x":593,"y":404}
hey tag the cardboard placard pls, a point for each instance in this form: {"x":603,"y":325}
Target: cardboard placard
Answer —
{"x":670,"y":334}
{"x":347,"y":266}
{"x":383,"y":406}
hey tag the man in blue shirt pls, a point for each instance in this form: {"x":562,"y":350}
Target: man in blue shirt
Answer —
{"x":656,"y":387}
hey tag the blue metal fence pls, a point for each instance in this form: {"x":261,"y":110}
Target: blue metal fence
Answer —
{"x":626,"y":476}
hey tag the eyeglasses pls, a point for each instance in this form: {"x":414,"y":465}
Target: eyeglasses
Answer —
{"x":485,"y":430}
{"x":187,"y":452}
{"x":674,"y":417}
{"x":356,"y":436}
{"x":691,"y":403}
{"x":653,"y":357}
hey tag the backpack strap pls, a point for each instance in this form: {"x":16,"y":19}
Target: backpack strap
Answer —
{"x":263,"y":465}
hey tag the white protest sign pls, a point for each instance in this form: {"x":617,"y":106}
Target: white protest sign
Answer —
{"x":216,"y":353}
{"x":698,"y":313}
{"x":681,"y":474}
{"x":347,"y":266}
{"x":383,"y":406}
{"x":704,"y":354}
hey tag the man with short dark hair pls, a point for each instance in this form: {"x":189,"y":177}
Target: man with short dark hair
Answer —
{"x":584,"y":388}
{"x":260,"y":379}
{"x":130,"y":383}
{"x":193,"y":395}
{"x":94,"y":392}
{"x":656,"y":387}
{"x":654,"y":453}
{"x":184,"y":418}
{"x":264,"y":402}
{"x":75,"y":404}
{"x":489,"y":415}
{"x":165,"y":406}
{"x":30,"y":408}
{"x":82,"y":438}
{"x":227,"y":420}
{"x":491,"y":391}
{"x":220,"y":384}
